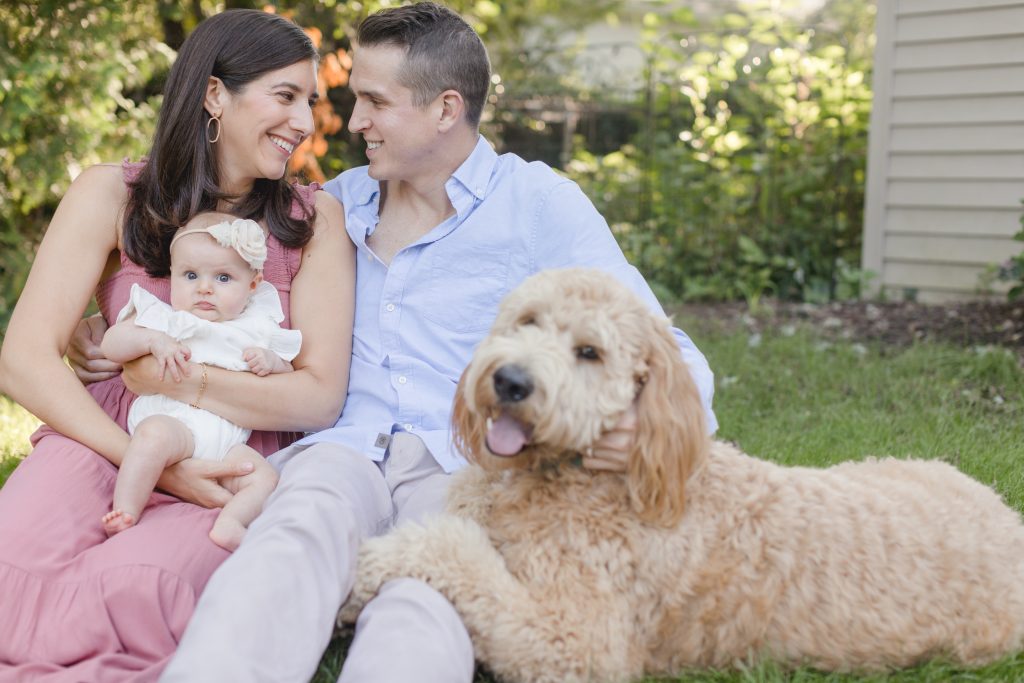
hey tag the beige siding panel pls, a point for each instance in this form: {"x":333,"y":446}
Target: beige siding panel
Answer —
{"x":932,"y":6}
{"x":977,"y":223}
{"x":963,"y":193}
{"x":979,"y":80}
{"x":963,"y":250}
{"x":985,"y":138}
{"x":957,"y":166}
{"x":957,"y":25}
{"x":972,"y":109}
{"x":937,"y":276}
{"x":946,"y":166}
{"x":958,"y":54}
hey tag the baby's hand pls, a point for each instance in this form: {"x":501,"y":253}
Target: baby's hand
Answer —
{"x":263,"y":362}
{"x":171,"y":355}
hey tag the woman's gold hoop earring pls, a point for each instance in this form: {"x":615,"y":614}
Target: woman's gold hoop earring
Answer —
{"x":208,"y":122}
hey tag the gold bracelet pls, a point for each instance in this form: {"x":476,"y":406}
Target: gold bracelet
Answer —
{"x":202,"y":388}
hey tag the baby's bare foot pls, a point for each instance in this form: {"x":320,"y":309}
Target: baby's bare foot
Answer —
{"x":117,"y":520}
{"x":227,"y":533}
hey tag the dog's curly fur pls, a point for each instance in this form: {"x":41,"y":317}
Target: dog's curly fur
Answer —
{"x":699,"y":555}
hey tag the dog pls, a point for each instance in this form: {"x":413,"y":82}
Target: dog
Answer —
{"x":698,"y":555}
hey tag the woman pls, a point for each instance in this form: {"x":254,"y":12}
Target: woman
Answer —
{"x":74,"y":606}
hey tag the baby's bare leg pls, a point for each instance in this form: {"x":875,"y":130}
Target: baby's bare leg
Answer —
{"x":251,"y":491}
{"x":159,"y":441}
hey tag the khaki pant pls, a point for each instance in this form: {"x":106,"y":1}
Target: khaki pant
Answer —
{"x":268,"y":612}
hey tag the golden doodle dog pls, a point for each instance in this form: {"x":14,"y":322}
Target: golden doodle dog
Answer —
{"x":699,"y":555}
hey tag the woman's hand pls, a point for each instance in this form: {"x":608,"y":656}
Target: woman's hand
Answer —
{"x":84,"y":354}
{"x":172,"y":356}
{"x":143,"y":376}
{"x":198,"y":481}
{"x":611,"y":452}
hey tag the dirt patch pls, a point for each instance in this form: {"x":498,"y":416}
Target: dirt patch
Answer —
{"x":896,"y":323}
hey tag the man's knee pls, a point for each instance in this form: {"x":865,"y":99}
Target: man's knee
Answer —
{"x":437,"y":645}
{"x":420,"y":603}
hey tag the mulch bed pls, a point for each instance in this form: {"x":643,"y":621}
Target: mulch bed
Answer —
{"x":966,"y":324}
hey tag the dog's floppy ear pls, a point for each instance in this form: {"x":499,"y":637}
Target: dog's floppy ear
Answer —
{"x":463,"y":423}
{"x":671,"y":436}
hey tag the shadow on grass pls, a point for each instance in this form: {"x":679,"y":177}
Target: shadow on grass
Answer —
{"x":330,"y":664}
{"x":1007,"y":670}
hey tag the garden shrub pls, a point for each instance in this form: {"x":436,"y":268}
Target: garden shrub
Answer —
{"x":1013,"y":269}
{"x":751,"y":181}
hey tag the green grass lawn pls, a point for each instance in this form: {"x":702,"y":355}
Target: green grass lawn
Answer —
{"x":799,"y":400}
{"x":16,"y":426}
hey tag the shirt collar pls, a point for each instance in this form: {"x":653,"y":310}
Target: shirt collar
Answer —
{"x":475,"y":172}
{"x":472,"y":177}
{"x":468,"y":185}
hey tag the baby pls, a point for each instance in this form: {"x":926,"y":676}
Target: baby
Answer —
{"x":221,"y":313}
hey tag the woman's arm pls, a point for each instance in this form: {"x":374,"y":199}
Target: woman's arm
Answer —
{"x":67,"y":267}
{"x":322,"y":306}
{"x":127,"y":341}
{"x":66,"y":270}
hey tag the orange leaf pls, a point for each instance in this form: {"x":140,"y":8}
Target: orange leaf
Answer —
{"x":315,"y":34}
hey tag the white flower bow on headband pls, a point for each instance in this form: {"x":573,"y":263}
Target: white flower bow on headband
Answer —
{"x":243,"y":235}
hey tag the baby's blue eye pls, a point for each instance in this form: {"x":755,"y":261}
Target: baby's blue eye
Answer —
{"x":224,"y":278}
{"x":190,"y":275}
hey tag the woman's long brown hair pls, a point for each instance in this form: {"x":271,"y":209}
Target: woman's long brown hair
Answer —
{"x":180,"y":178}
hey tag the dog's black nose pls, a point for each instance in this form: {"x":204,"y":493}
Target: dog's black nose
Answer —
{"x":512,"y":383}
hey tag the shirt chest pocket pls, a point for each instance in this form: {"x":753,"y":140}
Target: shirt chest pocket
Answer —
{"x":462,"y":291}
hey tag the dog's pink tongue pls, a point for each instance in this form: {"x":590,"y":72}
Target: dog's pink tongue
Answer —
{"x":506,"y":436}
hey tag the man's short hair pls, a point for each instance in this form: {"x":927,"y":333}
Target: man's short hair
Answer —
{"x":442,"y":52}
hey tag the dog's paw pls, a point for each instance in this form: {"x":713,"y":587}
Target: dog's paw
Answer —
{"x":350,"y":610}
{"x":447,"y":546}
{"x":380,"y":560}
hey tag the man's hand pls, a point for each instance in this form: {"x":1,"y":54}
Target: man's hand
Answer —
{"x":611,"y":452}
{"x":198,"y":481}
{"x":84,"y":354}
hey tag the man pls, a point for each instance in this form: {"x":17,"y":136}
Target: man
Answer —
{"x":444,"y":228}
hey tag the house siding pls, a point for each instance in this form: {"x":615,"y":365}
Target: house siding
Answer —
{"x":946,"y":150}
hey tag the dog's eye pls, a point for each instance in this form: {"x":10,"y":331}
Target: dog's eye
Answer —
{"x":587,"y":353}
{"x":527,"y":320}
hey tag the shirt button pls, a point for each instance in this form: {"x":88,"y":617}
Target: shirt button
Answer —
{"x":389,"y":307}
{"x":402,"y":380}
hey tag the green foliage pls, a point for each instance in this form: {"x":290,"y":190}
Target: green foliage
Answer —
{"x":16,"y":425}
{"x":751,"y":179}
{"x":73,"y":93}
{"x":1013,"y":269}
{"x":512,"y":31}
{"x":80,"y":84}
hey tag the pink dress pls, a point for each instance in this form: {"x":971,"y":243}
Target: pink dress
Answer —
{"x":74,"y":605}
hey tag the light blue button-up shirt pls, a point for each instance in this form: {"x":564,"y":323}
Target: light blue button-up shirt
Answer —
{"x":418,"y":320}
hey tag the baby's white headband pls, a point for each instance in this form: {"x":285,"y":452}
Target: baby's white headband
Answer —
{"x":243,"y":235}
